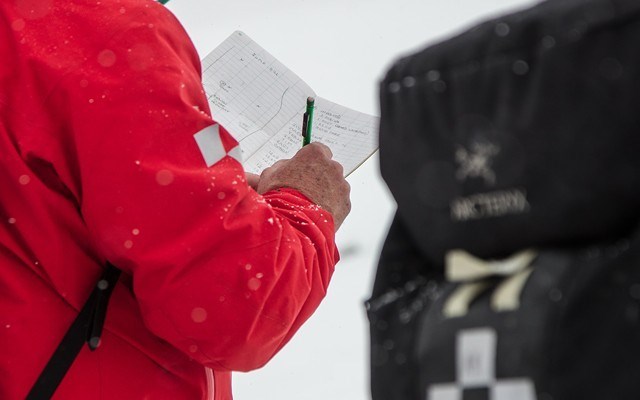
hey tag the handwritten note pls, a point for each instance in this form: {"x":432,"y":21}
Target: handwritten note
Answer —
{"x":261,"y":103}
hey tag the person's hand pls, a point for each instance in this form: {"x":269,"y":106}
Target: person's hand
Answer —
{"x":252,"y":180}
{"x":312,"y":172}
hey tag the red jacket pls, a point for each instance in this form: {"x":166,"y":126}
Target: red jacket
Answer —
{"x":109,"y":152}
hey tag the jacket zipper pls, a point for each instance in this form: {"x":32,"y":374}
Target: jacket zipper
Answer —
{"x":211,"y":383}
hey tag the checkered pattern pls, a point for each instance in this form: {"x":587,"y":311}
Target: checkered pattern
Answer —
{"x":475,"y":369}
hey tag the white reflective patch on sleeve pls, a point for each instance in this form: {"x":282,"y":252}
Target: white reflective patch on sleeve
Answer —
{"x":236,"y":153}
{"x":210,"y":144}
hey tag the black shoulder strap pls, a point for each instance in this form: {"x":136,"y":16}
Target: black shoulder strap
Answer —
{"x":87,"y":327}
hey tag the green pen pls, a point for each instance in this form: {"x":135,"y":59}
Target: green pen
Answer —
{"x":307,"y":121}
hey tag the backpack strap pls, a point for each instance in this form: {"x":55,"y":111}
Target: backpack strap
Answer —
{"x":87,"y":327}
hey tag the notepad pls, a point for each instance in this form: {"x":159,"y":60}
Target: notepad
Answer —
{"x":261,"y":103}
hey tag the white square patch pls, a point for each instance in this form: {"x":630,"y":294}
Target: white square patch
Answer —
{"x":521,"y":389}
{"x":476,"y":357}
{"x":210,"y":144}
{"x":444,"y":392}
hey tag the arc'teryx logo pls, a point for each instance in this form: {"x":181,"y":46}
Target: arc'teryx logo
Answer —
{"x":476,"y":161}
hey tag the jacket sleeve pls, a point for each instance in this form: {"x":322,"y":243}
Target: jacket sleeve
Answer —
{"x":220,"y":272}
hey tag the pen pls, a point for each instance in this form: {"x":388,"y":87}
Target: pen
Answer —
{"x":307,"y":121}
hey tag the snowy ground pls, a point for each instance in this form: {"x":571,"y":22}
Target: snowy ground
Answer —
{"x":341,"y":48}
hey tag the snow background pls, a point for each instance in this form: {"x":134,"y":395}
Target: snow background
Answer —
{"x":341,"y":48}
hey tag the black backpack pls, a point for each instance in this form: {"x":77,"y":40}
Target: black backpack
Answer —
{"x":573,"y":334}
{"x":512,"y":267}
{"x":523,"y":131}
